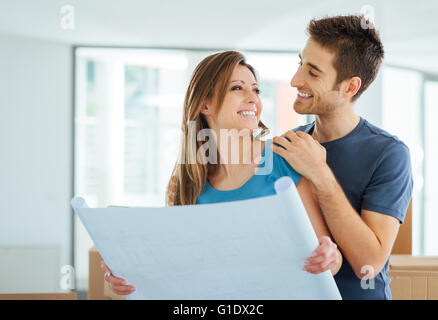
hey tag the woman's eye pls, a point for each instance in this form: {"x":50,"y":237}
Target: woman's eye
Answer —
{"x":256,"y":90}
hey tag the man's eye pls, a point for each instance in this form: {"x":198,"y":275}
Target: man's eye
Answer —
{"x":312,"y":74}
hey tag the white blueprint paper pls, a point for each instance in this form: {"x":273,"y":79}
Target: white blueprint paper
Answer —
{"x":251,"y":249}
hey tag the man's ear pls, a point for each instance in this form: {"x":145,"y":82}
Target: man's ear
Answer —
{"x":352,"y":87}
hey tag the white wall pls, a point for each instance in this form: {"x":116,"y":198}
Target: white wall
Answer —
{"x":35,"y":163}
{"x":369,"y":105}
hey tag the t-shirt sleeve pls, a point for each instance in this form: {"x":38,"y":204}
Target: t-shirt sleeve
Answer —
{"x":283,"y":168}
{"x":390,"y":188}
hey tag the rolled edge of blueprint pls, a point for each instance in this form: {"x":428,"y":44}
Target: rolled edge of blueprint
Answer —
{"x":78,"y":202}
{"x":282,"y":184}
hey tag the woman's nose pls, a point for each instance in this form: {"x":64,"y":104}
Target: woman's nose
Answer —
{"x":253,"y":97}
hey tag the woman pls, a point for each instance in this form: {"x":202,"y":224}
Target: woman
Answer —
{"x":222,"y":103}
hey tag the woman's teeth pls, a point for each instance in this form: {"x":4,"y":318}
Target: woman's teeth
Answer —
{"x":250,"y":114}
{"x":304,"y":95}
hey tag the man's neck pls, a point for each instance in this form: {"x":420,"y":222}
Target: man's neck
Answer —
{"x":329,"y":127}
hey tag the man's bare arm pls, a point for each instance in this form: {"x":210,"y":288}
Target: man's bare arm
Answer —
{"x":366,"y":239}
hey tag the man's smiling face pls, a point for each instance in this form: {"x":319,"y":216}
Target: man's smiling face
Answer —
{"x":315,"y":81}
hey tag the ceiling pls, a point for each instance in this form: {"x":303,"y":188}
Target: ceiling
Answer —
{"x":409,"y":31}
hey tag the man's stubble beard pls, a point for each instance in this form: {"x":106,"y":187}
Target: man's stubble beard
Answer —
{"x":319,"y":106}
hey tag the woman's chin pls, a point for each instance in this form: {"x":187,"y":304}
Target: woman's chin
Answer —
{"x":249,"y":126}
{"x":248,"y":130}
{"x":244,"y":129}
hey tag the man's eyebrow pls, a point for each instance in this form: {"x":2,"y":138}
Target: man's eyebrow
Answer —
{"x":255,"y":83}
{"x":311,"y":64}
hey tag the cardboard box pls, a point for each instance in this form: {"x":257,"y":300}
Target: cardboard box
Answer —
{"x":97,"y":287}
{"x":39,"y":296}
{"x":95,"y":275}
{"x":413,"y":278}
{"x":403,"y":242}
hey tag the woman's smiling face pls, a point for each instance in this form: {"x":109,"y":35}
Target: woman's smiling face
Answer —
{"x":241,"y":107}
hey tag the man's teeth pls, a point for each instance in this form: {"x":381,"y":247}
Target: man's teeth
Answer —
{"x":304,"y":95}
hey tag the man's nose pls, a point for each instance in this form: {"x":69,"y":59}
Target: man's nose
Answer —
{"x":297,"y":80}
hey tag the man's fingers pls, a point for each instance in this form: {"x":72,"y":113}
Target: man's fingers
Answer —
{"x":324,"y":251}
{"x":314,"y":260}
{"x":325,"y":240}
{"x":316,"y":269}
{"x":282,"y":142}
{"x":327,"y":264}
{"x":318,"y":264}
{"x":333,"y":264}
{"x":324,"y":258}
{"x":324,"y":243}
{"x":324,"y":255}
{"x":290,"y":135}
{"x":303,"y":135}
{"x":279,"y":150}
{"x":320,"y":250}
{"x":331,"y":257}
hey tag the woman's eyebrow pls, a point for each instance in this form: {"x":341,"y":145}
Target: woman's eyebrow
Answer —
{"x":255,"y":83}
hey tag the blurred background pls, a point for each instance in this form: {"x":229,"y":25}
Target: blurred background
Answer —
{"x":91,"y":96}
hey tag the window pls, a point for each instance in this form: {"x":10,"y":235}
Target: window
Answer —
{"x":409,"y":111}
{"x":401,"y":116}
{"x":431,"y":169}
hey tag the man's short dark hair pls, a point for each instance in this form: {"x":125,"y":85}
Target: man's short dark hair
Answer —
{"x":355,"y":43}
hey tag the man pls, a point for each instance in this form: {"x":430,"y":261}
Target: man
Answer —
{"x":361,"y":174}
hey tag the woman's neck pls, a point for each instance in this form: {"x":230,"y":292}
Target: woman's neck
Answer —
{"x":236,"y":153}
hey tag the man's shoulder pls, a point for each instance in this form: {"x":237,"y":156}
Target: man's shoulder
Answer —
{"x":369,"y":135}
{"x":379,"y":136}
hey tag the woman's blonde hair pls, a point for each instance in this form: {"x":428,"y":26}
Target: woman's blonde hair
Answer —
{"x":212,"y":75}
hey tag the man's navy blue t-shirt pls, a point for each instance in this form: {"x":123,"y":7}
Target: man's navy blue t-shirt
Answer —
{"x":374,"y":170}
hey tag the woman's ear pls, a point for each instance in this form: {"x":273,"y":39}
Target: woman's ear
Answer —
{"x":206,"y":109}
